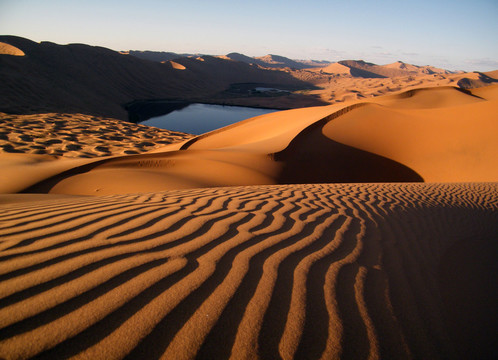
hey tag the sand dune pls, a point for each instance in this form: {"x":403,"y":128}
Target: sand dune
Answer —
{"x":7,"y":49}
{"x":492,"y":74}
{"x":336,"y":68}
{"x":338,"y":86}
{"x":177,"y":66}
{"x":433,"y":135}
{"x":402,"y":66}
{"x":79,"y":135}
{"x":78,"y":78}
{"x":352,"y":80}
{"x":238,"y":244}
{"x":298,"y":271}
{"x":361,"y":68}
{"x":271,"y":61}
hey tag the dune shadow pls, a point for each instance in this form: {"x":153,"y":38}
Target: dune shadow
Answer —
{"x":314,"y":158}
{"x":360,"y":73}
{"x":141,"y":110}
{"x":103,"y":81}
{"x":467,"y":279}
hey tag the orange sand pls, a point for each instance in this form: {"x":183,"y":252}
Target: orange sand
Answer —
{"x":78,"y":135}
{"x":7,"y":49}
{"x":199,"y":249}
{"x":297,"y":271}
{"x":434,"y":135}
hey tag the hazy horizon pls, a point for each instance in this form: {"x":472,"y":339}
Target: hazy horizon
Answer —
{"x":455,"y":35}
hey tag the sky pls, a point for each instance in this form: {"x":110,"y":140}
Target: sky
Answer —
{"x":452,"y":34}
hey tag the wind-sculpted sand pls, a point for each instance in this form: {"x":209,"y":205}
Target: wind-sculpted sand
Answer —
{"x":287,"y":271}
{"x":356,"y":80}
{"x":432,"y":135}
{"x":78,"y":135}
{"x":357,"y":230}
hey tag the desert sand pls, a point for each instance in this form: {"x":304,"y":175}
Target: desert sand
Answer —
{"x":441,"y":134}
{"x":364,"y":229}
{"x":7,"y":49}
{"x":338,"y":83}
{"x":287,"y":271}
{"x":76,"y":78}
{"x":79,"y":135}
{"x":79,"y":78}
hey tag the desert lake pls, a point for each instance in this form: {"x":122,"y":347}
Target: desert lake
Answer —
{"x":200,"y":118}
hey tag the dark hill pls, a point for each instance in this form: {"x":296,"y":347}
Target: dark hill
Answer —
{"x":274,"y":61}
{"x":96,"y":80}
{"x":158,"y":56}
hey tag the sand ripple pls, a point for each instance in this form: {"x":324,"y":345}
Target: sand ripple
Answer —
{"x":79,"y":135}
{"x":302,"y":271}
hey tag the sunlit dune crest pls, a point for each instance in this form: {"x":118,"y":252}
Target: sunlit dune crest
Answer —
{"x":336,"y":68}
{"x":433,"y":135}
{"x":177,"y":66}
{"x":7,"y":49}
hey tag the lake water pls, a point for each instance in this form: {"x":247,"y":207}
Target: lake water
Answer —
{"x":200,"y":118}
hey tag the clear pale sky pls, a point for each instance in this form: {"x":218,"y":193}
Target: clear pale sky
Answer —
{"x":453,"y":34}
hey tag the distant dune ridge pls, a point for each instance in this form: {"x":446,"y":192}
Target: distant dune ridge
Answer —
{"x":78,"y":78}
{"x":399,"y":68}
{"x":159,"y":56}
{"x":362,"y":229}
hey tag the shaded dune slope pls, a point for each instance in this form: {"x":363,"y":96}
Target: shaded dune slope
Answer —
{"x":432,"y":135}
{"x":301,"y":271}
{"x":318,"y":158}
{"x":78,"y":78}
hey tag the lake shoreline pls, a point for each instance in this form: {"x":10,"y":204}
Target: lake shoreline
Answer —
{"x":142,"y":110}
{"x":199,"y":118}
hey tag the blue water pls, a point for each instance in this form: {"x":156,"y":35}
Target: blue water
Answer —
{"x":200,"y":118}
